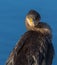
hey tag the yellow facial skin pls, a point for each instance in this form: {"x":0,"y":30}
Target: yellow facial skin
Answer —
{"x":30,"y":21}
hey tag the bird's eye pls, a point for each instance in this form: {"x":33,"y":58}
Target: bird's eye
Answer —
{"x":35,"y":18}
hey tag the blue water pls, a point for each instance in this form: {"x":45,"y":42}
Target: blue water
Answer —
{"x":12,"y":27}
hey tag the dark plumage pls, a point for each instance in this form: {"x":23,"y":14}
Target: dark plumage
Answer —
{"x":35,"y":46}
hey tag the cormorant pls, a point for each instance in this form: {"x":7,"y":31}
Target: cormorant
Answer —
{"x":35,"y":46}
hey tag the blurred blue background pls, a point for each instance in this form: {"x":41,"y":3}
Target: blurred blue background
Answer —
{"x":12,"y":27}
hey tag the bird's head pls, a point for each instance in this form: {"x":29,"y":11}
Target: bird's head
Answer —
{"x":33,"y":23}
{"x":32,"y":19}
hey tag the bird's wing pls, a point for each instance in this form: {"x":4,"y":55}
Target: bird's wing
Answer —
{"x":50,"y":52}
{"x":50,"y":55}
{"x":17,"y":49}
{"x":46,"y":57}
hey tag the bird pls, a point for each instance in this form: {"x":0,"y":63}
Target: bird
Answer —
{"x":35,"y":46}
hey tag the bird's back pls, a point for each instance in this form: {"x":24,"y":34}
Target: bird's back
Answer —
{"x":33,"y":49}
